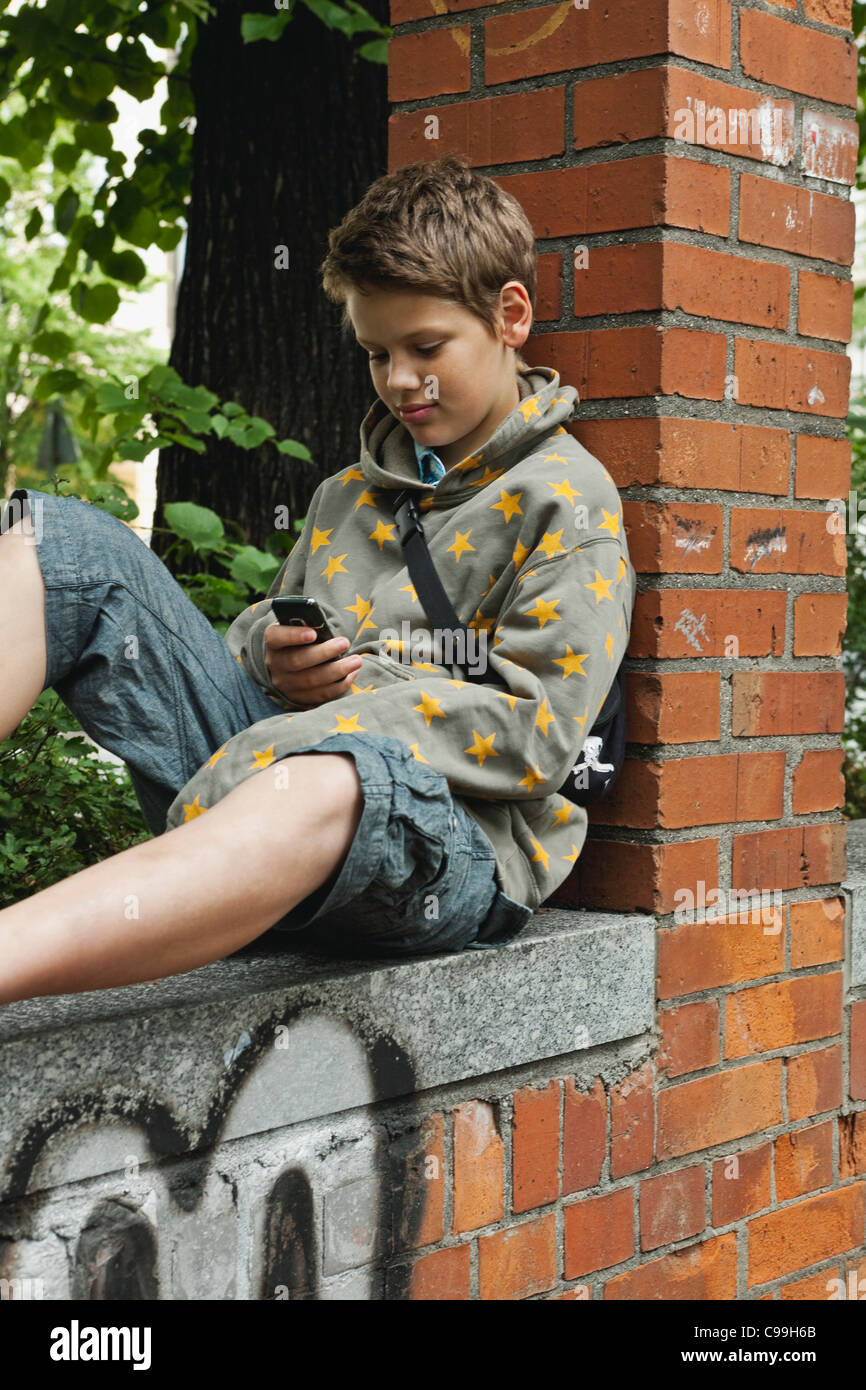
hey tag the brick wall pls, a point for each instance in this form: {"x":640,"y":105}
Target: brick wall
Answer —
{"x":687,"y":170}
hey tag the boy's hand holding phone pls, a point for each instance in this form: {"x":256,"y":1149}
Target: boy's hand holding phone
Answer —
{"x":303,"y":660}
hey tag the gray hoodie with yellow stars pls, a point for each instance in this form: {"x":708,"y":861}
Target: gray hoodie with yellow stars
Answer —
{"x":527,"y":536}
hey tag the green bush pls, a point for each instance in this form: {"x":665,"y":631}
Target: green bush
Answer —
{"x":62,"y":806}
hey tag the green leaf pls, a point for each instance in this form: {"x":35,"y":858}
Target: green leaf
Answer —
{"x":97,"y":242}
{"x":65,"y":209}
{"x":141,"y":228}
{"x":255,"y":568}
{"x":231,"y":408}
{"x":52,"y":344}
{"x":125,"y":266}
{"x":135,"y":450}
{"x":92,"y":81}
{"x":57,"y":382}
{"x":198,"y":525}
{"x":98,"y":303}
{"x":33,"y":225}
{"x":110,"y":398}
{"x":169,"y":237}
{"x":96,"y":138}
{"x":298,"y":451}
{"x":376,"y":51}
{"x":220,"y":424}
{"x":186,"y":441}
{"x":260,"y":26}
{"x":64,"y":157}
{"x":38,"y":121}
{"x":111,"y":498}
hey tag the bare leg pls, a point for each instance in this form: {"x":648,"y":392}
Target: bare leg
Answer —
{"x":194,"y":894}
{"x":22,"y":625}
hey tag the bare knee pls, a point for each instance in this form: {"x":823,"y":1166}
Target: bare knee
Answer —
{"x":332,"y":784}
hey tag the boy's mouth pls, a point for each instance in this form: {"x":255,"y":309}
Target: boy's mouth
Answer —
{"x":416,"y":412}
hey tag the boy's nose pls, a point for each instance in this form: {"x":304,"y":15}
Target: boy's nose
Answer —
{"x":403,"y":377}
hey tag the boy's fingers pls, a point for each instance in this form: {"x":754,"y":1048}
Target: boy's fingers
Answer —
{"x":287,"y":635}
{"x":323,"y":694}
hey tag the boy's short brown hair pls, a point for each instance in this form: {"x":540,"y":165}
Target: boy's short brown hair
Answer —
{"x":438,"y":227}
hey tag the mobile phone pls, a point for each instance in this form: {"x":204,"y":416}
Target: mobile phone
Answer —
{"x":297,"y":611}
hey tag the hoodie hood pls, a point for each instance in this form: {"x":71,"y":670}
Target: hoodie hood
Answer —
{"x":388,"y":451}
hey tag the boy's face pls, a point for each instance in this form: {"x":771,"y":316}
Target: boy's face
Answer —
{"x":429,"y":352}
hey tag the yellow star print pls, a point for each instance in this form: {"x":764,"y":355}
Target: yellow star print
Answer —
{"x":429,"y":708}
{"x":215,"y":757}
{"x":488,"y":476}
{"x":609,"y":647}
{"x":352,"y":473}
{"x":190,"y":812}
{"x":552,"y":544}
{"x":520,"y":554}
{"x":335,"y":566}
{"x":413,"y":747}
{"x":482,"y":748}
{"x":600,"y":587}
{"x":564,"y":489}
{"x":261,"y":760}
{"x":348,"y":724}
{"x":571,"y":662}
{"x":529,"y":407}
{"x":563,"y":815}
{"x":361,"y":607}
{"x":610,"y":523}
{"x":533,"y":775}
{"x":508,"y":504}
{"x":365,"y":499}
{"x":512,"y":699}
{"x":544,"y":718}
{"x":581,"y":718}
{"x":410,"y":590}
{"x":544,"y":611}
{"x":382,"y":532}
{"x":462,"y":543}
{"x":572,"y":858}
{"x":541,"y":855}
{"x":320,"y":538}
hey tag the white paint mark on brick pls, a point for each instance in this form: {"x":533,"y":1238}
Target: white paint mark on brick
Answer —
{"x":816,"y":396}
{"x":763,"y":543}
{"x":829,"y":146}
{"x":691,"y":626}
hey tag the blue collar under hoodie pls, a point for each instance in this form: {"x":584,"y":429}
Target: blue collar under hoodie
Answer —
{"x":527,"y":537}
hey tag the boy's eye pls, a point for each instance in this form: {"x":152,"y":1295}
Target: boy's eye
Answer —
{"x":425,"y":352}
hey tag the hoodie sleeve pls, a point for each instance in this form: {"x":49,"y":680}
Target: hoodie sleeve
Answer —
{"x":558,"y":640}
{"x":246,"y":636}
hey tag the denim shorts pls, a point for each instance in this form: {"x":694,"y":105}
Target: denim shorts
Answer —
{"x":151,"y":680}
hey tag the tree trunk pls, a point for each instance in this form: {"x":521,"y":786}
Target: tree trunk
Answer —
{"x":288,"y":136}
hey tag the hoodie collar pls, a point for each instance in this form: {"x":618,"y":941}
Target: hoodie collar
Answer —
{"x":389,"y":459}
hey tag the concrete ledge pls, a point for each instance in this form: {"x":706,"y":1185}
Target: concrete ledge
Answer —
{"x":854,"y":891}
{"x":270,"y":1038}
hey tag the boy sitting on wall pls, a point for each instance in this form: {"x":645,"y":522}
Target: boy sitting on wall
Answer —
{"x":346,"y":790}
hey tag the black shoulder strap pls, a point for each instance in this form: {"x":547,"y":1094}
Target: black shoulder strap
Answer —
{"x":428,"y":586}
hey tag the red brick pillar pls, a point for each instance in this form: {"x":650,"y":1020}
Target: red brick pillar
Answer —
{"x":687,"y":169}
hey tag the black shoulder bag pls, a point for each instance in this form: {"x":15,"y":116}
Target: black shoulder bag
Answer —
{"x":603,"y":751}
